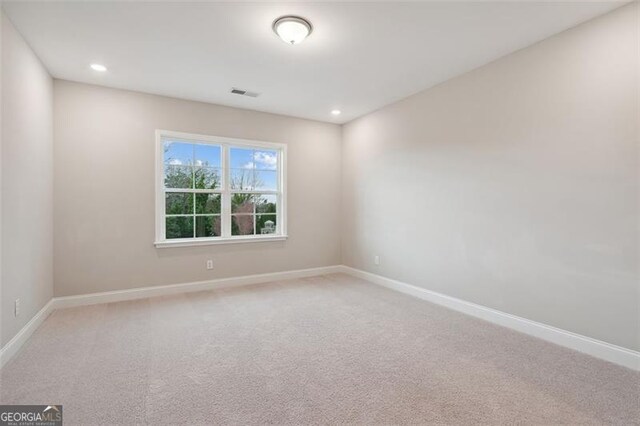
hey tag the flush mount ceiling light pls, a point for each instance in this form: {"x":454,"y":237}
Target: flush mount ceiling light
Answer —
{"x":336,"y":112}
{"x":292,"y":29}
{"x":98,"y":67}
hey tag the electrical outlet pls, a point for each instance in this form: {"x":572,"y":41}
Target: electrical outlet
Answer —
{"x":209,"y":264}
{"x":376,"y":259}
{"x":16,"y":308}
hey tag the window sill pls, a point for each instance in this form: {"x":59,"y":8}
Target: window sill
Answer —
{"x":189,"y":242}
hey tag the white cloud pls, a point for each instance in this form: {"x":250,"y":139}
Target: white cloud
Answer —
{"x":265,"y":160}
{"x":175,"y":162}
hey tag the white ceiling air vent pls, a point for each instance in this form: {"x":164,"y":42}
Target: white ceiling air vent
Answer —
{"x":243,"y":92}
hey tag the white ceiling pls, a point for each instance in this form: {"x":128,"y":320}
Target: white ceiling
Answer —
{"x":360,"y":56}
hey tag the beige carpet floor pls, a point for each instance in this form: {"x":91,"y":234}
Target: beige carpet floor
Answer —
{"x":323,"y":350}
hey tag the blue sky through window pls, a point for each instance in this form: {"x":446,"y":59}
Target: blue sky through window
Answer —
{"x":266,"y":180}
{"x":179,"y":153}
{"x":241,"y":158}
{"x":253,"y":159}
{"x":207,"y":155}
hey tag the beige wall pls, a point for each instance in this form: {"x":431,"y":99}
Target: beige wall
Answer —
{"x":104,"y":191}
{"x":514,"y":186}
{"x":27,"y":182}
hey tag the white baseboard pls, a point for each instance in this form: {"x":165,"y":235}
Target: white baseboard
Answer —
{"x":144,"y":292}
{"x":599,"y":349}
{"x":13,"y":346}
{"x":612,"y":353}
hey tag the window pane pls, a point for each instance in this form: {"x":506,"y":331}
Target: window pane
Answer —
{"x":178,"y":203}
{"x":179,"y":227}
{"x":242,"y":203}
{"x":265,"y":159}
{"x":207,"y":226}
{"x":266,"y":224}
{"x":265,"y":203}
{"x":266,"y":181}
{"x":178,"y":153}
{"x":241,"y":179}
{"x":207,"y":178}
{"x":208,"y":203}
{"x":178,"y":177}
{"x":242,"y":225}
{"x":207,"y":155}
{"x":241,"y":158}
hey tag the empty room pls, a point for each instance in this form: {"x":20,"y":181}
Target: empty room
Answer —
{"x":316,"y":212}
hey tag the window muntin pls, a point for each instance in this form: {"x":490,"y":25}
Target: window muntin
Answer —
{"x":215,"y":189}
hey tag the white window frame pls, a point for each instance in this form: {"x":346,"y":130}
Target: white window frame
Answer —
{"x":225,"y":214}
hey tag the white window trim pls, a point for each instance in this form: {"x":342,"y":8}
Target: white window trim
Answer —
{"x":162,"y":242}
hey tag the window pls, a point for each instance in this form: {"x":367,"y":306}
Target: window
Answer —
{"x":218,"y":190}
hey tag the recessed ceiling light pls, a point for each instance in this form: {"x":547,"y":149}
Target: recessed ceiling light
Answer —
{"x":98,"y":67}
{"x":292,"y":29}
{"x":336,"y":112}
